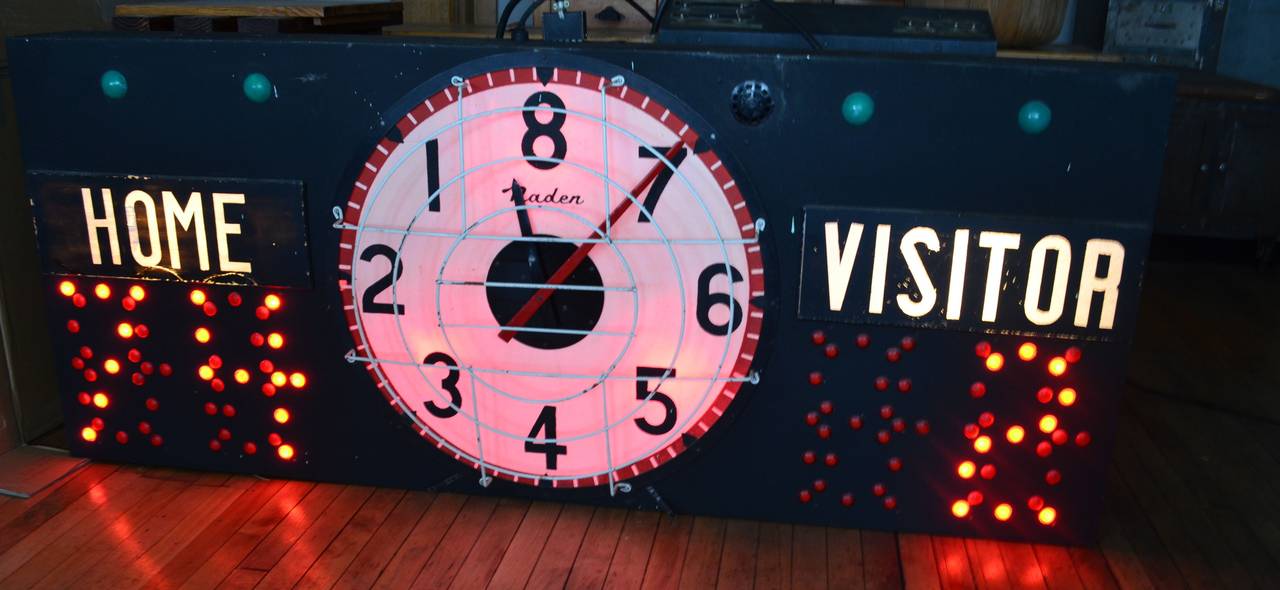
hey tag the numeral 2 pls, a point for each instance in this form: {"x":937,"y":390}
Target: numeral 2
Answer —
{"x":660,"y":181}
{"x":367,"y":301}
{"x":546,"y":423}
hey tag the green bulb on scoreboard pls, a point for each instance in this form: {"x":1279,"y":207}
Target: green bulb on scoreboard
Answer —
{"x":114,"y":84}
{"x":1034,"y":117}
{"x":257,"y":87}
{"x":858,"y":108}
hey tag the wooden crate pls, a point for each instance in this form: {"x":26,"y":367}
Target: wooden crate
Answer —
{"x":268,"y":17}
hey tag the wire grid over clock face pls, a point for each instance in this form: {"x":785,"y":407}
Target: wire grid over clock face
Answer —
{"x":548,"y":279}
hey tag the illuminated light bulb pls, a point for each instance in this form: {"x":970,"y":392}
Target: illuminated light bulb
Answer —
{"x":97,"y":424}
{"x":977,"y":390}
{"x":298,"y":380}
{"x":250,"y":448}
{"x":1067,"y":396}
{"x":986,"y":419}
{"x":1003,"y":512}
{"x":1048,"y":423}
{"x":101,"y":400}
{"x":84,"y":398}
{"x":67,"y":288}
{"x":285,"y":452}
{"x":268,"y":389}
{"x":78,"y":300}
{"x":262,"y":312}
{"x":266,"y":366}
{"x":144,"y":427}
{"x":1047,"y":515}
{"x":241,"y":376}
{"x":111,"y":366}
{"x":971,"y":431}
{"x":217,"y":385}
{"x":73,"y":326}
{"x":102,"y":291}
{"x":1057,"y":366}
{"x":1027,"y":351}
{"x":137,"y":293}
{"x":995,"y":362}
{"x":152,"y":404}
{"x":256,"y":339}
{"x":960,"y":509}
{"x":141,"y":331}
{"x":210,"y":309}
{"x":274,"y":439}
{"x":1083,"y":439}
{"x":165,"y":369}
{"x":1072,"y":355}
{"x":122,"y":437}
{"x":198,"y":297}
{"x":88,"y":434}
{"x":229,"y":411}
{"x":1044,"y":395}
{"x":279,"y":379}
{"x":156,"y":440}
{"x":975,"y":498}
{"x":138,"y":379}
{"x":966,"y":469}
{"x":272,"y":302}
{"x":234,"y":299}
{"x":86,"y":352}
{"x":90,"y":375}
{"x":215,"y":361}
{"x":205,"y":372}
{"x":1015,"y":434}
{"x":275,"y":340}
{"x":988,"y":471}
{"x":282,"y":416}
{"x":128,"y":303}
{"x":982,"y":444}
{"x":77,"y":363}
{"x":124,"y":330}
{"x":203,"y":335}
{"x":134,"y":355}
{"x":983,"y":349}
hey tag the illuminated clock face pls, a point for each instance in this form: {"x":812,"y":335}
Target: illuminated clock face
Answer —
{"x":548,"y":279}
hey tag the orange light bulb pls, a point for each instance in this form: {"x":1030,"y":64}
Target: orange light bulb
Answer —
{"x":1048,"y":423}
{"x":1027,"y":351}
{"x":279,"y":379}
{"x":203,"y":335}
{"x":281,"y":415}
{"x":272,"y":302}
{"x":241,"y":376}
{"x":1015,"y":434}
{"x":198,"y":297}
{"x":1047,"y":515}
{"x":285,"y":452}
{"x":205,"y":372}
{"x":111,"y":366}
{"x":67,"y":288}
{"x":960,"y":508}
{"x":1067,"y":397}
{"x":1057,"y":366}
{"x":298,"y":380}
{"x":88,"y":434}
{"x":982,"y":444}
{"x":966,"y":469}
{"x":995,"y":362}
{"x":125,"y":330}
{"x":102,"y":291}
{"x":101,"y":400}
{"x":137,"y":293}
{"x":1003,"y":512}
{"x":275,"y":340}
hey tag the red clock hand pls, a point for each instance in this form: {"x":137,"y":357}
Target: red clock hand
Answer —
{"x":571,"y":264}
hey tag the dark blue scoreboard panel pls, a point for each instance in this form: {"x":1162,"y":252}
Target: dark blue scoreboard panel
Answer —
{"x":829,"y":289}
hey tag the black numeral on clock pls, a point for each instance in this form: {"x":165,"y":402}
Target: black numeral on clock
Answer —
{"x":433,"y":174}
{"x":707,"y":300}
{"x":660,"y":181}
{"x":546,"y":424}
{"x":550,"y":129}
{"x":668,"y":405}
{"x":368,"y":300}
{"x":449,"y":383}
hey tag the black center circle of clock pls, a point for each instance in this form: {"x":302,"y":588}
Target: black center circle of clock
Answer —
{"x":533,"y":263}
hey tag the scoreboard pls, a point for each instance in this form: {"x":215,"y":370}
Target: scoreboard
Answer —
{"x":837,"y":289}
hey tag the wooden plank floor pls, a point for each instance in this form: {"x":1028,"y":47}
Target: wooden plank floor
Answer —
{"x":1193,"y":499}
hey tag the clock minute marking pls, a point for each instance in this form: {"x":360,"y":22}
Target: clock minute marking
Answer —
{"x":571,"y":264}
